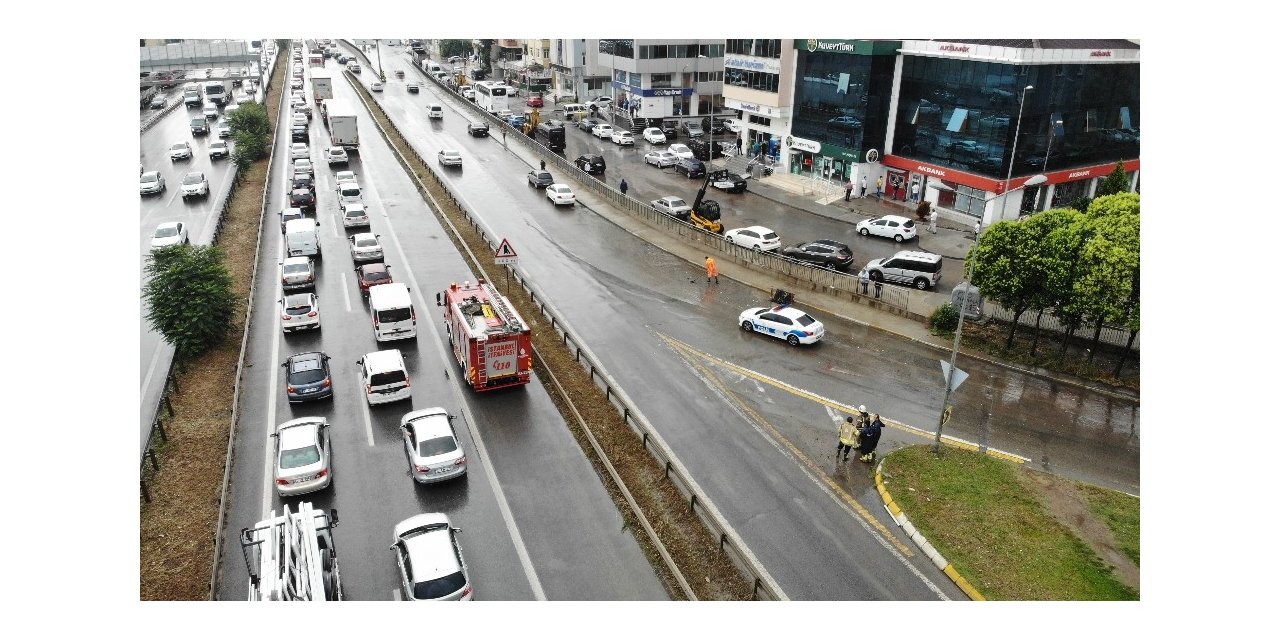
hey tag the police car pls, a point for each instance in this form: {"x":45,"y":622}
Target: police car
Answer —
{"x":782,"y":322}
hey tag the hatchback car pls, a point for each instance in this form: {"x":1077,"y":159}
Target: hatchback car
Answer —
{"x":756,"y":238}
{"x":335,"y":155}
{"x":587,"y":124}
{"x":299,"y":133}
{"x":590,"y":163}
{"x":477,"y":129}
{"x":661,"y":159}
{"x":691,"y":167}
{"x":449,"y":157}
{"x":354,"y":215}
{"x":219,"y":149}
{"x":299,"y":311}
{"x":168,"y":234}
{"x":782,"y":322}
{"x":897,"y":227}
{"x":194,"y":184}
{"x":307,"y":377}
{"x":680,"y":150}
{"x":654,"y":135}
{"x":365,"y":247}
{"x":302,"y":456}
{"x":827,"y":253}
{"x":372,"y":275}
{"x":299,"y":150}
{"x":432,"y":446}
{"x":223,"y":129}
{"x":297,"y":272}
{"x":153,"y":182}
{"x":430,"y":559}
{"x":180,"y":151}
{"x":623,"y":137}
{"x":534,"y":101}
{"x":602,"y":130}
{"x":560,"y":194}
{"x":303,"y":165}
{"x":539,"y":179}
{"x":302,"y":199}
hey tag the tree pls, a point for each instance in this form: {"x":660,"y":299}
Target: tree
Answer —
{"x":450,"y":48}
{"x":1000,"y":266}
{"x":189,"y":297}
{"x":252,"y":131}
{"x":1113,"y":258}
{"x":1116,"y":182}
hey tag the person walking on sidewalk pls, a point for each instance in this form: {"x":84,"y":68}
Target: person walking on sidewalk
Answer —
{"x":712,"y":271}
{"x":933,"y":221}
{"x":864,"y":187}
{"x":879,"y":188}
{"x":848,"y":189}
{"x":868,"y":438}
{"x":622,"y":186}
{"x":542,"y":164}
{"x":848,"y":438}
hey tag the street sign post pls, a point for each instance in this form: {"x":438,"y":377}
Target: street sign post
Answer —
{"x":505,"y":255}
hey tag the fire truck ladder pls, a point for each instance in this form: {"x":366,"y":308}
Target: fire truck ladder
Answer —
{"x":499,"y":303}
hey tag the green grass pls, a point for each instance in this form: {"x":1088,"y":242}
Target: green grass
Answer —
{"x":996,"y":534}
{"x":1120,"y":513}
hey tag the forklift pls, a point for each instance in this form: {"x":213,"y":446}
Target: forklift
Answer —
{"x":706,"y":213}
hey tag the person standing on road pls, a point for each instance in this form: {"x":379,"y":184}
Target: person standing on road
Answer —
{"x":933,"y":220}
{"x":848,"y":189}
{"x":623,"y":187}
{"x":712,"y":271}
{"x":864,"y":187}
{"x":879,"y":187}
{"x":848,"y":438}
{"x":868,"y":438}
{"x":542,"y":164}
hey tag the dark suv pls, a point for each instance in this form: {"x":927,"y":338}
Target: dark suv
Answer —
{"x":827,"y":253}
{"x":298,"y":133}
{"x":715,"y":125}
{"x":540,"y":179}
{"x":670,"y":129}
{"x":590,"y":163}
{"x":692,"y":129}
{"x":691,"y":167}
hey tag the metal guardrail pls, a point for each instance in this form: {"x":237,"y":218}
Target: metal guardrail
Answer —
{"x":1112,"y":335}
{"x":763,"y":585}
{"x":151,"y":122}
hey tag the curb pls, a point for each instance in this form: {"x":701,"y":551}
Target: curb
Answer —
{"x":927,"y":549}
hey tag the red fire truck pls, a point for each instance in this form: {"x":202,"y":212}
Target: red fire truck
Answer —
{"x":489,"y":339}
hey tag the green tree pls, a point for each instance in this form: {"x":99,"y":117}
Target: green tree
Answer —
{"x":1007,"y":266}
{"x":1057,"y":237}
{"x":1112,"y":256}
{"x":455,"y":48}
{"x":188,"y":297}
{"x":252,"y":131}
{"x":1115,"y":182}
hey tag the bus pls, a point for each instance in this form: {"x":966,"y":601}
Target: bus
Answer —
{"x":491,"y":96}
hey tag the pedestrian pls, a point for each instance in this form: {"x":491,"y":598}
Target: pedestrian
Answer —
{"x":623,"y":187}
{"x":808,"y":164}
{"x":739,"y":146}
{"x":848,"y":438}
{"x":555,"y":98}
{"x":977,"y":229}
{"x":864,"y":187}
{"x":933,"y":221}
{"x":915,"y":192}
{"x":868,"y":438}
{"x":542,"y":164}
{"x":879,"y":187}
{"x":712,"y":272}
{"x":864,"y":278}
{"x":848,"y":189}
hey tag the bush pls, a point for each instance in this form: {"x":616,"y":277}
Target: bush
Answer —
{"x":945,"y":319}
{"x":922,"y":210}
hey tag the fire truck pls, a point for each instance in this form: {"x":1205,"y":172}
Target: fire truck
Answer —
{"x":291,"y":556}
{"x":490,"y":341}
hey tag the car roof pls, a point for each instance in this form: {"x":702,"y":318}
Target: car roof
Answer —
{"x":385,"y":360}
{"x":429,"y":423}
{"x":788,"y":311}
{"x":151,"y":174}
{"x":308,"y":361}
{"x":374,"y":267}
{"x":756,"y":228}
{"x":298,"y":299}
{"x":297,"y":260}
{"x":894,"y":218}
{"x":363,"y":235}
{"x":355,"y":206}
{"x":167,"y":225}
{"x":299,"y":433}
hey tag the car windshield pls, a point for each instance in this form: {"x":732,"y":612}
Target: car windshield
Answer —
{"x":366,"y":242}
{"x":150,"y":177}
{"x":294,"y":458}
{"x":805,"y":320}
{"x":440,"y":587}
{"x":354,"y":212}
{"x":543,"y":176}
{"x":180,"y":145}
{"x":300,"y":267}
{"x":437,"y":446}
{"x":193,"y":178}
{"x":297,"y":305}
{"x":677,"y":202}
{"x":386,"y":377}
{"x":395,"y":315}
{"x":770,"y":236}
{"x":307,"y":372}
{"x":166,"y":232}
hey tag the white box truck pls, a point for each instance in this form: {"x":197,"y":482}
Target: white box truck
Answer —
{"x":321,"y":85}
{"x":340,"y":119}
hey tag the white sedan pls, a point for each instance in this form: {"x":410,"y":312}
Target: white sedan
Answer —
{"x":897,"y":227}
{"x":180,"y":151}
{"x":354,"y":215}
{"x":602,"y":130}
{"x":299,"y":150}
{"x":654,"y":135}
{"x":303,"y":165}
{"x":560,"y":194}
{"x":365,"y":247}
{"x":680,"y":151}
{"x":450,"y":157}
{"x":661,"y":159}
{"x":756,"y":238}
{"x":782,"y":322}
{"x":344,"y":176}
{"x":335,"y":155}
{"x":169,"y":233}
{"x":622,"y":136}
{"x":375,"y":86}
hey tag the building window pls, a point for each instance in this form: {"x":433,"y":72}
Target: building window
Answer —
{"x":760,"y":120}
{"x":757,"y":80}
{"x":711,"y":50}
{"x":711,"y":76}
{"x":646,"y":51}
{"x":660,"y":80}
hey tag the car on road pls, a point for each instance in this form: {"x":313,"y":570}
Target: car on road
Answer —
{"x":375,"y":86}
{"x":298,"y":272}
{"x":429,"y":559}
{"x":757,"y":238}
{"x":672,"y":206}
{"x":250,"y":88}
{"x":560,"y":194}
{"x":919,"y":269}
{"x":348,"y":193}
{"x":303,"y":199}
{"x":307,"y":377}
{"x":210,"y":111}
{"x":692,"y":129}
{"x":826,"y":253}
{"x":353,"y":67}
{"x":680,"y":150}
{"x":180,"y":151}
{"x":299,"y":133}
{"x":219,"y":149}
{"x":590,"y":163}
{"x":371,"y":275}
{"x":336,"y":155}
{"x":303,"y":181}
{"x":223,"y":129}
{"x":434,"y":110}
{"x":691,"y":167}
{"x":344,"y":176}
{"x":602,"y":130}
{"x":295,"y":83}
{"x":168,"y":234}
{"x":477,"y":129}
{"x":661,"y":159}
{"x":412,"y":86}
{"x":730,"y":182}
{"x":431,"y":446}
{"x":587,"y":124}
{"x":365,"y":247}
{"x":302,"y":456}
{"x":299,"y":150}
{"x":449,"y":157}
{"x":303,"y":165}
{"x":299,"y":311}
{"x":158,"y":101}
{"x":782,"y":322}
{"x":897,"y":227}
{"x":654,"y":135}
{"x":194,"y":184}
{"x":540,"y":179}
{"x":153,"y":182}
{"x":354,"y":215}
{"x":534,"y":101}
{"x":623,"y":137}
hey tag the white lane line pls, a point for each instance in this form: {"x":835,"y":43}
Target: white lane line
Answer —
{"x":395,"y":595}
{"x":346,"y":296}
{"x":268,"y":451}
{"x":368,"y":420}
{"x":155,"y":360}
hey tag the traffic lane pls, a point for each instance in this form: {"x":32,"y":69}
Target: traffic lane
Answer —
{"x":576,"y":545}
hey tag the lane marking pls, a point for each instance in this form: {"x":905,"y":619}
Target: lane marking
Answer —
{"x":268,"y":455}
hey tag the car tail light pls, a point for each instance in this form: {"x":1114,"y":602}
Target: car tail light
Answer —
{"x":289,"y":388}
{"x":312,"y":314}
{"x":286,"y":317}
{"x":322,"y":473}
{"x":326,"y":384}
{"x":406,"y":382}
{"x":461,"y":461}
{"x":310,"y":278}
{"x":467,"y":590}
{"x":368,"y":388}
{"x":283,"y":482}
{"x":421,"y":469}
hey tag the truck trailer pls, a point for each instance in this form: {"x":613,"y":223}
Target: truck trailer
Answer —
{"x":340,"y":119}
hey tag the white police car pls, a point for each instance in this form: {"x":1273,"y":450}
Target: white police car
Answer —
{"x":782,"y":322}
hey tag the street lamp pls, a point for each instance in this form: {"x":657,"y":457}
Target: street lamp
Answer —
{"x":1033,"y":181}
{"x":1014,"y":150}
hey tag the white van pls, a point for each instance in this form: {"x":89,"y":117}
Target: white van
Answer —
{"x":571,"y":111}
{"x":302,"y":237}
{"x":348,"y":193}
{"x":384,"y":376}
{"x":435,"y":111}
{"x":431,"y":67}
{"x":392,"y":312}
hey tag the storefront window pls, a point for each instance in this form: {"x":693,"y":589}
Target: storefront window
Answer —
{"x":841,"y":99}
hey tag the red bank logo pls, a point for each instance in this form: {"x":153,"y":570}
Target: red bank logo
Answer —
{"x":1100,"y":54}
{"x":956,"y":47}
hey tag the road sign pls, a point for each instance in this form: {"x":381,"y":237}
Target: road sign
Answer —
{"x":505,"y":254}
{"x":961,"y":376}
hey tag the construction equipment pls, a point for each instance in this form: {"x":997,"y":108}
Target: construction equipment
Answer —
{"x":292,"y":556}
{"x":706,"y":213}
{"x":489,"y":340}
{"x":531,"y":123}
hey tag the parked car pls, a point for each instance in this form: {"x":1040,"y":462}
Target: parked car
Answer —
{"x":302,"y":456}
{"x":826,"y":253}
{"x":707,"y":150}
{"x":307,"y":377}
{"x":691,"y":167}
{"x":755,"y":237}
{"x":680,"y":150}
{"x":430,"y":559}
{"x":919,"y":269}
{"x":590,"y":163}
{"x":602,"y":130}
{"x":539,"y":179}
{"x":897,"y":227}
{"x":692,"y":129}
{"x":153,"y":182}
{"x":672,"y":206}
{"x":782,"y":322}
{"x":730,"y":182}
{"x":622,"y":137}
{"x":587,"y":124}
{"x":431,"y":446}
{"x":560,"y":194}
{"x":670,"y":129}
{"x":654,"y":135}
{"x":661,"y":159}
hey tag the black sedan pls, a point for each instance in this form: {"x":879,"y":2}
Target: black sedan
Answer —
{"x":298,"y":133}
{"x":730,"y":182}
{"x":540,"y":179}
{"x":587,"y":124}
{"x":825,"y":253}
{"x":302,"y":199}
{"x":670,"y":129}
{"x":590,"y":163}
{"x":307,"y":377}
{"x":691,"y":167}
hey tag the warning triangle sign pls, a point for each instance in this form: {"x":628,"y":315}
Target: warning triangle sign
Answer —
{"x":504,"y":250}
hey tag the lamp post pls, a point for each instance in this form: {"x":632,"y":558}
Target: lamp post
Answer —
{"x":1033,"y":181}
{"x":1014,"y":150}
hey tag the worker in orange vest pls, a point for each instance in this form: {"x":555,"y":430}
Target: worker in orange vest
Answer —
{"x":712,"y":272}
